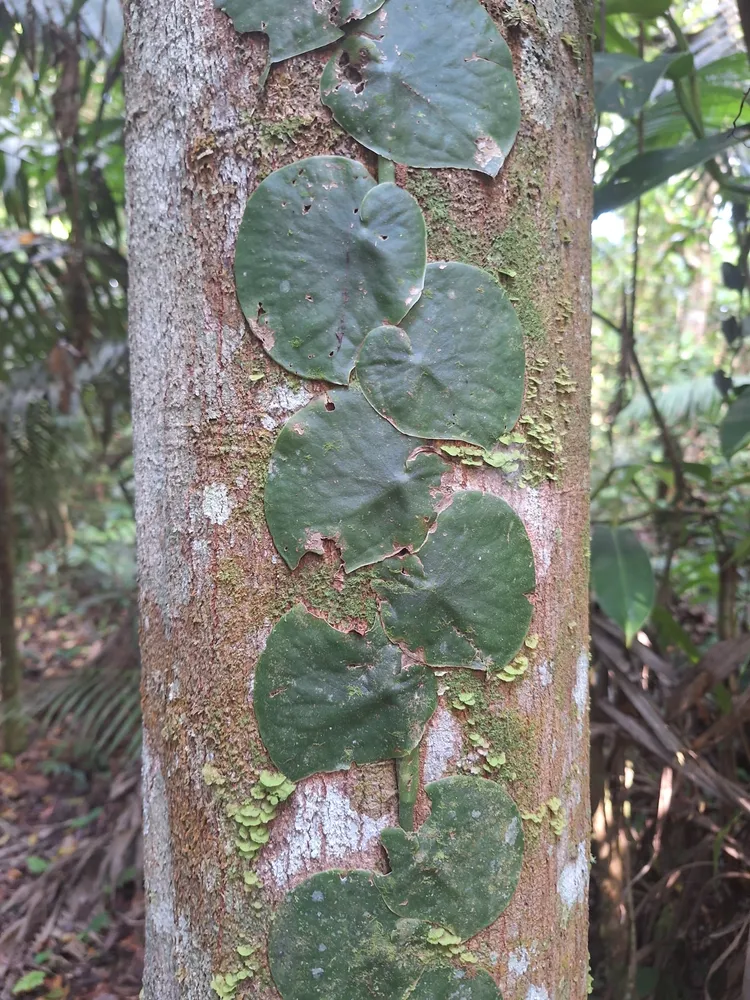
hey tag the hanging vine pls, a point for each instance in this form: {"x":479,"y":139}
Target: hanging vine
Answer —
{"x":332,"y":275}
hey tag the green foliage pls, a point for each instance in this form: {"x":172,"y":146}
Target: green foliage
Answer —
{"x":410,"y":87}
{"x":29,"y":983}
{"x":298,"y":26}
{"x":449,"y":983}
{"x":339,"y":471}
{"x":324,"y":255}
{"x":455,"y":368}
{"x":735,"y":427}
{"x":333,"y":938}
{"x":325,"y":699}
{"x":461,"y":868}
{"x":622,"y":577}
{"x":445,"y":599}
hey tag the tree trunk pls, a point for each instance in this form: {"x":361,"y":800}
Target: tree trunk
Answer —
{"x":207,"y":406}
{"x":14,"y":734}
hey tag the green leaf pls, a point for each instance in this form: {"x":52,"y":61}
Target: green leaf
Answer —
{"x":296,"y":26}
{"x":622,"y":578}
{"x":651,"y":169}
{"x":455,"y":368}
{"x":29,"y":983}
{"x":339,"y":471}
{"x":623,"y":84}
{"x":461,"y":868}
{"x":333,"y":938}
{"x":323,"y":256}
{"x":462,"y":598}
{"x":410,"y":86}
{"x":448,"y":983}
{"x":734,"y":431}
{"x":325,"y":699}
{"x":37,"y":866}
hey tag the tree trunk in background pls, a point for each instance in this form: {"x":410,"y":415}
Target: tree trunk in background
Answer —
{"x":14,"y":735}
{"x":200,"y":138}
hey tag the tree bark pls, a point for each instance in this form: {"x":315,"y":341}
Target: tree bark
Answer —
{"x":200,"y":137}
{"x":14,"y":730}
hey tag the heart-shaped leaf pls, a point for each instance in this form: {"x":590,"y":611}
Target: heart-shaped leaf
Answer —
{"x":333,"y":938}
{"x":622,"y":577}
{"x":461,"y":868}
{"x":323,"y":256}
{"x":447,"y":983}
{"x":461,"y":599}
{"x":455,"y":367}
{"x":295,"y":26}
{"x":426,"y":84}
{"x":325,"y":699}
{"x":340,"y":471}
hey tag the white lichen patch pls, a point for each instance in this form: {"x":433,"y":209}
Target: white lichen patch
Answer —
{"x":280,"y":402}
{"x":217,"y":504}
{"x":443,"y":742}
{"x":581,"y":689}
{"x":544,"y":673}
{"x":323,"y":830}
{"x":518,"y":963}
{"x":537,"y":993}
{"x":571,"y":885}
{"x":511,"y":834}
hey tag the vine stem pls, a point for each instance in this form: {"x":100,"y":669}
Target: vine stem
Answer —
{"x":407,"y":770}
{"x":386,"y":170}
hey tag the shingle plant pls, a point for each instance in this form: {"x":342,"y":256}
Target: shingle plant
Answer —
{"x":332,"y":275}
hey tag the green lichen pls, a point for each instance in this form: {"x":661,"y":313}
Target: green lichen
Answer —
{"x":226,"y":984}
{"x":253,"y":817}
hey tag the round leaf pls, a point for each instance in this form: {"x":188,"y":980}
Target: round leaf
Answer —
{"x":447,"y":983}
{"x":455,"y":367}
{"x":735,"y":428}
{"x":410,"y":86}
{"x":323,"y":256}
{"x":622,"y":577}
{"x":461,"y":868}
{"x":461,"y":599}
{"x":333,"y":938}
{"x":325,"y":699}
{"x":296,"y":26}
{"x":339,"y":471}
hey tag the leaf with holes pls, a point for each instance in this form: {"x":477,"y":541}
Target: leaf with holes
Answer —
{"x":296,"y":26}
{"x":461,"y":599}
{"x":325,"y":699}
{"x":455,"y":367}
{"x":735,"y":427}
{"x":333,"y":938}
{"x":622,"y":577}
{"x":339,"y":471}
{"x":406,"y":84}
{"x":461,"y":868}
{"x":447,"y":983}
{"x":323,"y":256}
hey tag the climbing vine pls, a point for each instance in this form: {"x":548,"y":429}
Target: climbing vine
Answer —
{"x":332,"y":275}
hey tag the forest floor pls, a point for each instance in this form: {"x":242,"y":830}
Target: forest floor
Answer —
{"x":71,"y":899}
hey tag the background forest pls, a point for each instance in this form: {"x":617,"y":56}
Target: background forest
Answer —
{"x":670,"y":896}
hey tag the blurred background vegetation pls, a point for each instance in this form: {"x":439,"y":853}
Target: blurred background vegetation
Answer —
{"x":670,"y":897}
